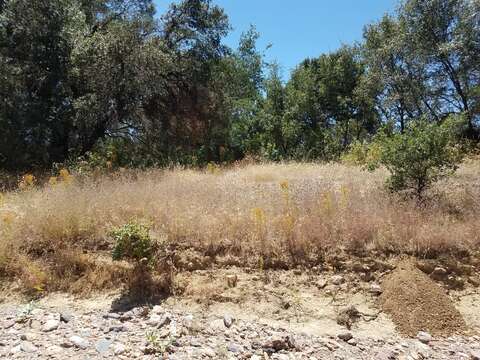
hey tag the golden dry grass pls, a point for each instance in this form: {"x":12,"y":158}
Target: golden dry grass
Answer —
{"x":265,"y":215}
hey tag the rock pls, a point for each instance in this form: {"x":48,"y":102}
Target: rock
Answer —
{"x":345,"y":335}
{"x":439,"y":273}
{"x":475,"y":355}
{"x":321,"y":283}
{"x":8,"y":324}
{"x":424,"y":337}
{"x":235,"y":348}
{"x":50,"y":325}
{"x":232,"y":280}
{"x":154,"y":320}
{"x":157,"y":309}
{"x":79,"y":342}
{"x":15,"y":350}
{"x":37,"y":312}
{"x":117,"y":328}
{"x":278,"y":344}
{"x":375,"y":289}
{"x":29,"y":336}
{"x":119,"y":349}
{"x":209,"y":352}
{"x":111,"y":316}
{"x":66,"y":317}
{"x":228,"y":321}
{"x":474,"y":281}
{"x":102,"y":345}
{"x":337,"y":279}
{"x":28,"y":347}
{"x":455,"y":282}
{"x":352,"y":342}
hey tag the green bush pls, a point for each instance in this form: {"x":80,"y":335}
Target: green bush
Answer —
{"x":363,"y":154}
{"x":132,"y":242}
{"x":423,"y":154}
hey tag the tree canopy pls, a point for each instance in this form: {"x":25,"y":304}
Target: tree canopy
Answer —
{"x":77,"y":76}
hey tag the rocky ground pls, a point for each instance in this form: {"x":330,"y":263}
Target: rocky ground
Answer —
{"x":283,"y":315}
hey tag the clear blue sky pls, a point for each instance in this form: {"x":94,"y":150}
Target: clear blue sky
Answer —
{"x":300,"y":28}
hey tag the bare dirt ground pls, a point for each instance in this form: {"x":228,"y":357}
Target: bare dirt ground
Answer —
{"x":240,"y":314}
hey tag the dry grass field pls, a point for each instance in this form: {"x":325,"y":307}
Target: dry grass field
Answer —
{"x":56,"y":236}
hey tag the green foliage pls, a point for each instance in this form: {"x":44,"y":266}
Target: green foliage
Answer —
{"x":132,"y":242}
{"x":363,"y":154}
{"x":102,"y":84}
{"x":422,"y":155}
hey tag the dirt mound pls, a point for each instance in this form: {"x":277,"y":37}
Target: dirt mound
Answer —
{"x":416,"y":303}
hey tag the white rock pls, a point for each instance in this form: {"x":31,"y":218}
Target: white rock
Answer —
{"x":50,"y":325}
{"x":157,"y":309}
{"x":375,"y":289}
{"x":337,"y":279}
{"x":28,"y":347}
{"x":154,"y":320}
{"x":79,"y":342}
{"x":29,"y":336}
{"x":119,"y":349}
{"x":424,"y":337}
{"x":210,"y":352}
{"x":352,"y":342}
{"x":37,"y":312}
{"x":228,"y":321}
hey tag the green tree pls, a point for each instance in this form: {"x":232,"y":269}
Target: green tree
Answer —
{"x":323,"y":97}
{"x":425,"y":153}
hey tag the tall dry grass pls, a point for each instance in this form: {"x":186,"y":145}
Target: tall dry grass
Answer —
{"x":266,"y":215}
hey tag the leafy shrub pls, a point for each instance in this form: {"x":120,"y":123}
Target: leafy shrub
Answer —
{"x":132,"y":242}
{"x":422,"y":155}
{"x":363,"y":154}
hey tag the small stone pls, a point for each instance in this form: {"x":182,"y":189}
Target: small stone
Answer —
{"x":232,"y":280}
{"x":321,"y":283}
{"x":117,"y":328}
{"x":119,"y":349}
{"x":424,"y":337}
{"x":209,"y":352}
{"x":65,"y":317}
{"x":29,"y":336}
{"x":157,"y":309}
{"x":345,"y":335}
{"x":79,"y":342}
{"x":352,"y":342}
{"x":228,"y":321}
{"x":154,"y":320}
{"x":439,"y":273}
{"x":50,"y":325}
{"x":111,"y":316}
{"x":28,"y":347}
{"x":15,"y":350}
{"x":375,"y":289}
{"x":102,"y":345}
{"x":8,"y":324}
{"x":474,"y":281}
{"x":235,"y":348}
{"x":37,"y":312}
{"x":337,"y":279}
{"x":475,"y":355}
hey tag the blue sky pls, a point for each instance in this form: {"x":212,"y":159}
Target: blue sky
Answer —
{"x":301,"y":28}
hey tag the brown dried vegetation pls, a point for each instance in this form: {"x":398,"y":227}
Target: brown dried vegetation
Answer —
{"x":55,"y":237}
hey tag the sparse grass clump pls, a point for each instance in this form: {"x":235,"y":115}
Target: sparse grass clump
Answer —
{"x":268,"y":215}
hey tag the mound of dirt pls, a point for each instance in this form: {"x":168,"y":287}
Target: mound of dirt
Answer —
{"x":416,"y":303}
